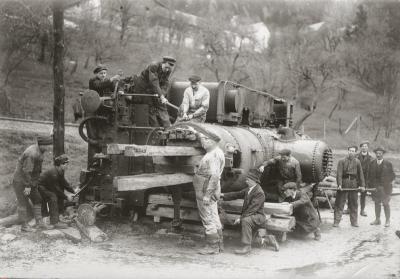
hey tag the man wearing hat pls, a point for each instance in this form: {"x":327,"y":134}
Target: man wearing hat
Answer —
{"x":101,"y":83}
{"x":196,"y":100}
{"x":281,"y":170}
{"x":381,"y":176}
{"x":25,"y":183}
{"x":52,"y":184}
{"x":307,"y":220}
{"x":365,"y":159}
{"x":349,"y":176}
{"x":252,"y":217}
{"x":154,"y":80}
{"x":206,"y":182}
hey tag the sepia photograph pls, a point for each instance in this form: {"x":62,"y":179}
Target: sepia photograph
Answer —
{"x":201,"y":139}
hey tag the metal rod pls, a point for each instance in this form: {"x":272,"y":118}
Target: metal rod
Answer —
{"x":346,"y":189}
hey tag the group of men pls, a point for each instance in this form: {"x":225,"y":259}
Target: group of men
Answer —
{"x":40,"y":192}
{"x":361,"y":172}
{"x":151,"y":87}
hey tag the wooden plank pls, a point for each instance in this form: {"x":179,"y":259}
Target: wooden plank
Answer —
{"x":188,"y":169}
{"x":273,"y":224}
{"x":150,"y":180}
{"x":115,"y":148}
{"x":133,"y":150}
{"x":184,"y":160}
{"x":166,"y":199}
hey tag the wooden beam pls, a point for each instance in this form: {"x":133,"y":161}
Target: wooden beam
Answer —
{"x":133,"y":150}
{"x":166,"y":199}
{"x":150,"y":180}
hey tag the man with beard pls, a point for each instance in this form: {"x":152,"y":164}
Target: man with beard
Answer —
{"x":350,"y":177}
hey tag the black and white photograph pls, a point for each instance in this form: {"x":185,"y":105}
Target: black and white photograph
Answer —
{"x":201,"y":139}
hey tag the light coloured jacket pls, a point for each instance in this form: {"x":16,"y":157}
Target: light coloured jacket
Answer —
{"x":196,"y":103}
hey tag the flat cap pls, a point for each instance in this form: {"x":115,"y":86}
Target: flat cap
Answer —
{"x":254,"y":175}
{"x":380,"y":148}
{"x":62,"y":159}
{"x":289,"y":185}
{"x":364,"y":142}
{"x":194,"y":78}
{"x":352,"y":146}
{"x":169,"y":59}
{"x":45,"y":140}
{"x":285,"y":152}
{"x":99,"y":68}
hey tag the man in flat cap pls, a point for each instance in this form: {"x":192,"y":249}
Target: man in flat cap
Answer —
{"x":52,"y":184}
{"x":365,"y":159}
{"x":381,"y":176}
{"x":101,"y":83}
{"x":154,"y":79}
{"x":349,"y":178}
{"x":307,"y":220}
{"x":25,"y":183}
{"x":196,"y":100}
{"x":206,"y":182}
{"x":279,"y":171}
{"x":253,"y":216}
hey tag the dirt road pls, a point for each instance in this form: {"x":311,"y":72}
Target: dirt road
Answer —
{"x":136,"y":251}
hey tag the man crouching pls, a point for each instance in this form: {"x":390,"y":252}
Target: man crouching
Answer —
{"x":253,"y":217}
{"x":51,"y":186}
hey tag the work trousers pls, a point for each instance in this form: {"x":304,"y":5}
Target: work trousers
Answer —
{"x":381,"y":198}
{"x":56,"y":204}
{"x":249,"y":225}
{"x":352,"y":198}
{"x":209,"y":216}
{"x":363,"y":196}
{"x":158,"y":116}
{"x":23,"y":201}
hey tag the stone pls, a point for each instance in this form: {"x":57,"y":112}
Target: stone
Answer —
{"x":72,"y":234}
{"x":7,"y":238}
{"x":53,"y":234}
{"x":16,"y":229}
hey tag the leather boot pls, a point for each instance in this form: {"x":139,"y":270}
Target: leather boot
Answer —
{"x":37,"y":212}
{"x":376,"y":222}
{"x":386,"y":209}
{"x":221,"y":240}
{"x":246,"y":249}
{"x":212,"y":245}
{"x":362,"y":213}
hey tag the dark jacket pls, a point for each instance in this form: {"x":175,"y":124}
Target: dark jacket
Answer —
{"x":103,"y":87}
{"x":253,"y":203}
{"x":381,"y":179}
{"x":29,"y":167}
{"x":350,"y":167}
{"x":365,"y":163}
{"x":287,"y":171}
{"x":152,"y":80}
{"x":54,"y":181}
{"x":306,"y":215}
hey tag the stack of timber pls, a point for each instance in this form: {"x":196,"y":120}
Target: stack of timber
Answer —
{"x":278,"y":215}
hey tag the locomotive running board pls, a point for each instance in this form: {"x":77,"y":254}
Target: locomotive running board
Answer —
{"x":133,"y":150}
{"x":150,"y":180}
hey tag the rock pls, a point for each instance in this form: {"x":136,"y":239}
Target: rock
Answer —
{"x":7,"y":238}
{"x":16,"y":229}
{"x":53,"y":234}
{"x":72,"y":234}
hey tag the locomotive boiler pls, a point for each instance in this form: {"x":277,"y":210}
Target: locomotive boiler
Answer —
{"x":127,"y":159}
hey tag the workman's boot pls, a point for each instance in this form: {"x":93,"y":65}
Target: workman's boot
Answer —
{"x":317,"y":234}
{"x":60,"y":225}
{"x":376,"y":222}
{"x":26,"y":228}
{"x":387,"y":223}
{"x":221,"y":240}
{"x":346,"y":211}
{"x":246,"y":249}
{"x":37,"y":212}
{"x":212,"y":245}
{"x":335,"y":224}
{"x":362,"y":213}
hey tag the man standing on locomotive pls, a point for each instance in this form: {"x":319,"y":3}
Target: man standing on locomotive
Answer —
{"x":51,"y":186}
{"x":25,"y":183}
{"x":154,"y":80}
{"x":206,"y":182}
{"x":196,"y":100}
{"x":101,"y":83}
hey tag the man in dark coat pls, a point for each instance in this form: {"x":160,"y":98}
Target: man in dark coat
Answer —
{"x":25,"y":183}
{"x":349,"y":176}
{"x":307,"y":220}
{"x":279,"y":171}
{"x":101,"y":83}
{"x":252,"y":217}
{"x":154,"y":80}
{"x":52,"y":184}
{"x":381,"y":176}
{"x":365,"y":160}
